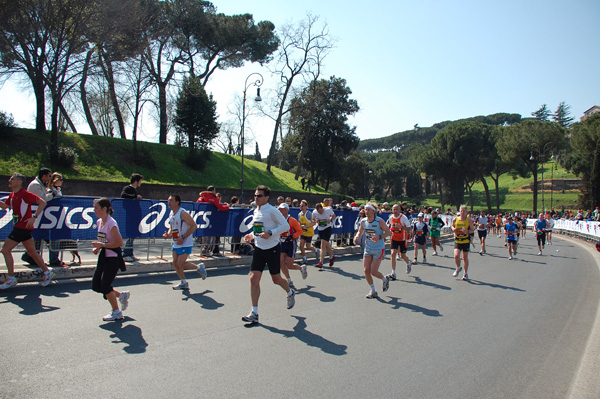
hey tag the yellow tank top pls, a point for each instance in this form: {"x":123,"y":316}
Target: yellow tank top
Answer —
{"x":460,"y":237}
{"x":306,"y":231}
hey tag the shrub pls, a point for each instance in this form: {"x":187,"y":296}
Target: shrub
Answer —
{"x":65,"y":156}
{"x":197,"y":160}
{"x":7,"y":124}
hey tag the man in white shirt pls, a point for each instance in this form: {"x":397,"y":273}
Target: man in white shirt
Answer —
{"x":324,"y":218}
{"x":267,"y":225}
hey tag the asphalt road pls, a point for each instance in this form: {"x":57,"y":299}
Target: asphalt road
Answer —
{"x":517,"y":329}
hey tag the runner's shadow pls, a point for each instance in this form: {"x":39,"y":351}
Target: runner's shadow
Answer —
{"x":311,"y":339}
{"x":200,"y":297}
{"x":504,"y":287}
{"x":315,"y":294}
{"x":395,"y":302}
{"x":418,"y":280}
{"x":129,"y":334}
{"x":344,"y":273}
{"x":432,"y":265}
{"x":31,"y":304}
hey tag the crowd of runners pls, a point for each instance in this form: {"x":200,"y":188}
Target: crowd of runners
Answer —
{"x":276,"y":237}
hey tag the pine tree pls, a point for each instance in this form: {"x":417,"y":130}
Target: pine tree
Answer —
{"x":542,"y":114}
{"x":561,"y":115}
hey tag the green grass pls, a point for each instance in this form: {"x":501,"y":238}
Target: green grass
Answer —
{"x":111,"y":159}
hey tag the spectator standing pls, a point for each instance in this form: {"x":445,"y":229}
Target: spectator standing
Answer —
{"x":235,"y":240}
{"x":130,"y":192}
{"x":210,"y":196}
{"x":39,"y":187}
{"x":303,"y":181}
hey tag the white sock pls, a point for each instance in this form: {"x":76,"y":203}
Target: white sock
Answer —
{"x":291,"y":292}
{"x":184,"y":281}
{"x":255,"y":309}
{"x":289,"y":280}
{"x":373,"y":287}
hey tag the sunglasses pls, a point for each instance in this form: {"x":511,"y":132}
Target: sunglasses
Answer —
{"x":258,"y":195}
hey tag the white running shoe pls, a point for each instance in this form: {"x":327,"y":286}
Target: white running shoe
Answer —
{"x":424,"y":259}
{"x":434,"y":253}
{"x":114,"y":315}
{"x":441,"y":247}
{"x":458,"y":269}
{"x":124,"y":300}
{"x":291,"y":300}
{"x":409,"y":267}
{"x":372,"y":294}
{"x":9,"y":282}
{"x":201,"y":270}
{"x":465,"y":276}
{"x":48,"y":274}
{"x":304,"y":272}
{"x":539,"y":253}
{"x":386,"y":283}
{"x":398,"y":257}
{"x":510,"y":258}
{"x":317,"y":253}
{"x":251,"y":318}
{"x":181,"y":286}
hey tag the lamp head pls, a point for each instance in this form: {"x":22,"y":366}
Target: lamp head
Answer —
{"x":258,"y":98}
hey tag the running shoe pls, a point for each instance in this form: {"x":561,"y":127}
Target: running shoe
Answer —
{"x":181,"y":286}
{"x":505,"y":244}
{"x":331,"y":260}
{"x":424,"y":259}
{"x":113,"y":315}
{"x":458,"y":269}
{"x":392,"y":277}
{"x":441,"y":247}
{"x":304,"y":272}
{"x":398,"y":257}
{"x":48,"y":274}
{"x":291,"y":300}
{"x":201,"y":270}
{"x":251,"y":318}
{"x":124,"y":300}
{"x":465,"y":276}
{"x":386,"y":284}
{"x":317,"y":253}
{"x":515,"y":251}
{"x":292,"y":286}
{"x":409,"y":267}
{"x":304,"y":260}
{"x":372,"y":294}
{"x":481,"y":253}
{"x":9,"y":282}
{"x":320,"y":265}
{"x":539,"y":253}
{"x":434,"y":253}
{"x":130,"y":259}
{"x":414,"y":261}
{"x":510,"y":258}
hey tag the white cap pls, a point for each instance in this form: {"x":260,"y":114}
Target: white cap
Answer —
{"x":283,"y":205}
{"x":420,"y":215}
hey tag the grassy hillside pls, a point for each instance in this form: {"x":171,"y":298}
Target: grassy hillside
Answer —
{"x":110,"y":159}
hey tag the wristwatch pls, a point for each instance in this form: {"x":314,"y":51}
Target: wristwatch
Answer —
{"x":270,"y":232}
{"x":34,"y":216}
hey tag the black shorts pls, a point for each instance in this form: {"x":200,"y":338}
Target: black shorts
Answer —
{"x":269,"y":257}
{"x":399,"y":244}
{"x":306,"y":239}
{"x":482,"y":233}
{"x":463,"y":247}
{"x":325,"y":235}
{"x":20,"y":235}
{"x":541,"y":238}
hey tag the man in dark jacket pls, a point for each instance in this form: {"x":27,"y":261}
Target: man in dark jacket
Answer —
{"x":130,"y":192}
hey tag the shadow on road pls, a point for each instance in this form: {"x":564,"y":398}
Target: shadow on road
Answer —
{"x":31,"y":304}
{"x":127,"y":334}
{"x":343,"y":272}
{"x":321,"y":297}
{"x":311,"y":339}
{"x":395,"y":302}
{"x":200,"y":297}
{"x":504,"y":287}
{"x":418,"y":280}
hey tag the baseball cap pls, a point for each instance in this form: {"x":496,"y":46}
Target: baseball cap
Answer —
{"x":283,"y":205}
{"x":420,"y":215}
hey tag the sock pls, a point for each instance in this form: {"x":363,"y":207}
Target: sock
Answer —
{"x":255,"y":309}
{"x":289,"y":280}
{"x":184,"y":281}
{"x":372,"y":287}
{"x":393,"y":272}
{"x":291,"y":292}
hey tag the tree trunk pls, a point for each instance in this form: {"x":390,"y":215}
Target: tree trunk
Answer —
{"x":162,"y":104}
{"x":65,"y":115}
{"x":595,"y":177}
{"x":535,"y":188}
{"x":82,"y":90}
{"x":54,"y":128}
{"x":278,"y":122}
{"x":110,"y":78}
{"x":488,"y":200}
{"x":497,"y":193}
{"x":40,"y":102}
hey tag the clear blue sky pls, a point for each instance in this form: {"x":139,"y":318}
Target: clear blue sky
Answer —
{"x":427,"y":61}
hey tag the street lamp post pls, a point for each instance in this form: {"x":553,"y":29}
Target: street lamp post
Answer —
{"x":258,"y":82}
{"x":541,"y":155}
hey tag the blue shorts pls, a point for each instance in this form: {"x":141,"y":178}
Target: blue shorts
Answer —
{"x":289,"y":248}
{"x":182,"y":250}
{"x":375,"y":253}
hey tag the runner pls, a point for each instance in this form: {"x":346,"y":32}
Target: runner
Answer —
{"x":375,"y":231}
{"x":181,"y":231}
{"x":462,"y":226}
{"x":498,"y":224}
{"x":110,"y":259}
{"x":510,"y":229}
{"x":420,"y":230}
{"x":482,"y":222}
{"x":436,"y":223}
{"x":268,"y":223}
{"x":400,"y":228}
{"x":540,"y":226}
{"x":324,"y":218}
{"x":308,"y":231}
{"x":524,"y":226}
{"x":20,"y":200}
{"x":289,"y":245}
{"x":549,"y":228}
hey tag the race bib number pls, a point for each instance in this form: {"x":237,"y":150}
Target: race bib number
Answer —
{"x":370,"y":233}
{"x":101,"y":237}
{"x":322,"y":223}
{"x":419,"y":232}
{"x":258,"y":228}
{"x":15,"y":218}
{"x":175,"y":234}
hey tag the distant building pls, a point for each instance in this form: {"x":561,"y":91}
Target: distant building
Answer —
{"x":594,"y":110}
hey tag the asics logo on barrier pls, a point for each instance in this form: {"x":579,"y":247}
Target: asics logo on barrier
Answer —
{"x":338,"y":222}
{"x":57,"y":217}
{"x":159,"y":214}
